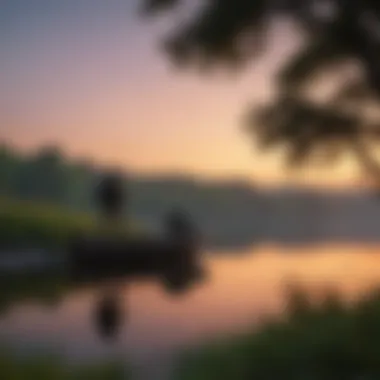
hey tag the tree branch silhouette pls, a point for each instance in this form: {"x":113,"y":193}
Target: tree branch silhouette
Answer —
{"x":337,"y":32}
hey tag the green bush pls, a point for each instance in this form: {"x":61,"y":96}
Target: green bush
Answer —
{"x":328,"y":340}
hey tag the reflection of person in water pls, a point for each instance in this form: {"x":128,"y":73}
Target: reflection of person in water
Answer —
{"x":180,"y":280}
{"x":109,"y":315}
{"x":176,"y":282}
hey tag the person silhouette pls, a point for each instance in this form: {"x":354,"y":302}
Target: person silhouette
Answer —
{"x":180,"y":227}
{"x":111,"y":196}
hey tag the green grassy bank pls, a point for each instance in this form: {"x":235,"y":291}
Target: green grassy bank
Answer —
{"x":24,"y":224}
{"x":324,"y":341}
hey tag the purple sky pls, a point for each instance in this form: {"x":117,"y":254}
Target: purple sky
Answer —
{"x":89,"y":76}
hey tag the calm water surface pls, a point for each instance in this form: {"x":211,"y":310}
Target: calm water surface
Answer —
{"x":239,"y":291}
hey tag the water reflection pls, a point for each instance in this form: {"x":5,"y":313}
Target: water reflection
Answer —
{"x":110,"y":310}
{"x":155,"y":321}
{"x":109,"y":314}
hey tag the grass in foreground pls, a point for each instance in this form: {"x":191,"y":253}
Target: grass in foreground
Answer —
{"x":24,"y":223}
{"x":324,"y":341}
{"x":14,"y":367}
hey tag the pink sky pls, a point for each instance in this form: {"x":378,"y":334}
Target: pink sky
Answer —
{"x":90,"y":78}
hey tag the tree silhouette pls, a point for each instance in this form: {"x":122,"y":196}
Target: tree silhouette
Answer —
{"x":339,"y":35}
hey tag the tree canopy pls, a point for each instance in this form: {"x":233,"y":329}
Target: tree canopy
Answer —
{"x":341,"y":37}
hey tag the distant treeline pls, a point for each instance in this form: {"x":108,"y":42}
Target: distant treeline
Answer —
{"x":49,"y":175}
{"x":227,"y":212}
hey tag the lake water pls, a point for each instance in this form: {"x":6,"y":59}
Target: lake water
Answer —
{"x":239,"y":290}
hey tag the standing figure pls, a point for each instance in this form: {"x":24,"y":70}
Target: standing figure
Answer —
{"x":111,"y":197}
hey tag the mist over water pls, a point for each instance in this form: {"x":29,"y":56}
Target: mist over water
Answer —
{"x":283,"y":217}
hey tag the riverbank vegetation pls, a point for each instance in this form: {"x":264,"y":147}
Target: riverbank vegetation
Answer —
{"x":45,"y":198}
{"x":43,"y":224}
{"x":320,"y":341}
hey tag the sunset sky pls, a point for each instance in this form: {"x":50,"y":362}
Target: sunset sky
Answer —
{"x":89,"y":76}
